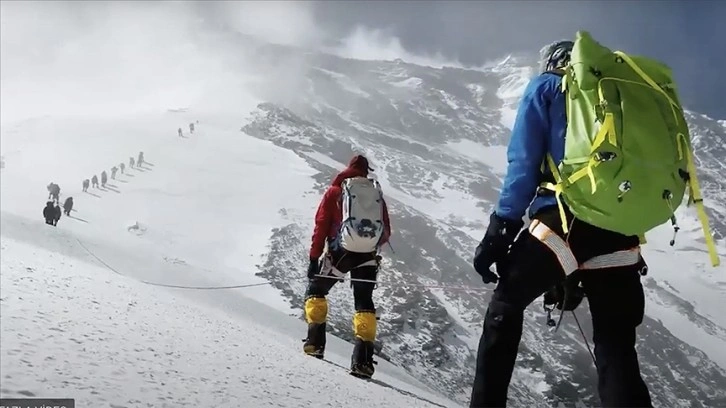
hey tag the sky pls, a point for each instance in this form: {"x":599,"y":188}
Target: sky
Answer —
{"x":135,"y":50}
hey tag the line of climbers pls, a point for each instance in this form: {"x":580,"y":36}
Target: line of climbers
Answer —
{"x":52,"y":211}
{"x":589,"y":201}
{"x":93,"y":182}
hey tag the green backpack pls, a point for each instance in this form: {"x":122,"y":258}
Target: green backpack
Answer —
{"x":628,"y":160}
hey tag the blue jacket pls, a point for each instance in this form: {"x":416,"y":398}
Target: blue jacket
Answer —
{"x":539,"y":128}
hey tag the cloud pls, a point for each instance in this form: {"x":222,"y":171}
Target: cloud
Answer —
{"x":377,"y":44}
{"x":279,"y":22}
{"x":93,"y":58}
{"x":108,"y":58}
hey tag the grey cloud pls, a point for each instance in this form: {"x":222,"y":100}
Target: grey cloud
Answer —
{"x":688,"y":35}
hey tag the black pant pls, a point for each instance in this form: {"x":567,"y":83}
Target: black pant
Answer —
{"x":616,"y":302}
{"x":349,"y":262}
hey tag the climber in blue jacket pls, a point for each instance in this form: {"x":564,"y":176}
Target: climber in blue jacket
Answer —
{"x":535,"y":260}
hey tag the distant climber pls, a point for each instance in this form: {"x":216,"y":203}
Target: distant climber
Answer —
{"x":94,"y":181}
{"x":122,"y":167}
{"x":68,"y":206}
{"x":114,"y":169}
{"x":57,"y":213}
{"x":131,"y":162}
{"x":191,"y":128}
{"x":51,"y":213}
{"x":54,"y":191}
{"x":86,"y":184}
{"x":104,"y":179}
{"x":140,"y":160}
{"x":179,"y":131}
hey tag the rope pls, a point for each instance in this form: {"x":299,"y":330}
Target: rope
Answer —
{"x":420,"y":285}
{"x":250,"y":285}
{"x":111,"y":268}
{"x":587,"y":344}
{"x":207,"y":287}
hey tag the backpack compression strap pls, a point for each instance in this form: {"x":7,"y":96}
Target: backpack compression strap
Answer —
{"x":697,"y":199}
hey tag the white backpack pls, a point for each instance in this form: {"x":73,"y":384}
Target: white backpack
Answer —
{"x":362,"y":204}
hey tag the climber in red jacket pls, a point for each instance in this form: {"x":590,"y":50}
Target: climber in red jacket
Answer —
{"x":355,"y":251}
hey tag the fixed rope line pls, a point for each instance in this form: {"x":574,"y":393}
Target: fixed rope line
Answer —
{"x":420,"y":285}
{"x":112,"y":269}
{"x":250,"y":285}
{"x":206,"y":287}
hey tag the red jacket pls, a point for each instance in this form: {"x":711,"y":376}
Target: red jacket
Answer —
{"x":329,"y":216}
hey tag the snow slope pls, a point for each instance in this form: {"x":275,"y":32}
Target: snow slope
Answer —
{"x":74,"y":328}
{"x":205,"y":206}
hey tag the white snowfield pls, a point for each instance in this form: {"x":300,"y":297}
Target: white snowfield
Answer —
{"x":72,"y":328}
{"x":76,"y":320}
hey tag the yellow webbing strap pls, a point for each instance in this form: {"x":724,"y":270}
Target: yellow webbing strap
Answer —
{"x":606,"y":130}
{"x":553,"y":168}
{"x":585,"y":171}
{"x":698,"y":201}
{"x":648,"y":80}
{"x":557,"y":188}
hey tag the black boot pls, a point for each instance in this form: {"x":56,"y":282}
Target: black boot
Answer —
{"x":315,"y":343}
{"x":361,"y":364}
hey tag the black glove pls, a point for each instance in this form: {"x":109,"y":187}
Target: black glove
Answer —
{"x":494,"y":246}
{"x":313,"y":268}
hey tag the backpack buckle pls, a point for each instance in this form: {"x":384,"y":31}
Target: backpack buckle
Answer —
{"x":605,"y":156}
